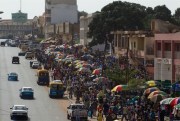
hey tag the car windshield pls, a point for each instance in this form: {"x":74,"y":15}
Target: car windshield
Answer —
{"x":35,"y":63}
{"x":28,"y":89}
{"x":13,"y":74}
{"x":20,"y":108}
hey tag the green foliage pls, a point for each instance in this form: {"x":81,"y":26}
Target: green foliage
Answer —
{"x":135,"y":83}
{"x":177,"y":13}
{"x":163,"y":13}
{"x":121,"y":76}
{"x":115,"y":16}
{"x":126,"y":16}
{"x":177,"y":16}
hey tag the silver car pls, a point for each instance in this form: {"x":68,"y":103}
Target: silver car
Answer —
{"x":19,"y":111}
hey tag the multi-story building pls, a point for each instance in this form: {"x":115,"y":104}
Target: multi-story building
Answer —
{"x":10,"y":28}
{"x":167,"y":57}
{"x":59,"y":12}
{"x":84,"y":23}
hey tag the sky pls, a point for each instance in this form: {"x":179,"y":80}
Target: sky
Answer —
{"x":36,"y":7}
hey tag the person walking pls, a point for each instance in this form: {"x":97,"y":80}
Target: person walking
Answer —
{"x":125,"y":112}
{"x":100,"y":116}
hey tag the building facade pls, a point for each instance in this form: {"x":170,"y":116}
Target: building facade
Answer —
{"x":59,"y":12}
{"x":167,"y":57}
{"x":84,"y":23}
{"x":11,"y":28}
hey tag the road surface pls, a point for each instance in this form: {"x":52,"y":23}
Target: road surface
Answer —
{"x":42,"y":108}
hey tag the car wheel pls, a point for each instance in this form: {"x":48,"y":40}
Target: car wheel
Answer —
{"x":50,"y":96}
{"x":26,"y":118}
{"x":11,"y":117}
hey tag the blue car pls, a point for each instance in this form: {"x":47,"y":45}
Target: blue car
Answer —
{"x":26,"y":92}
{"x":12,"y":76}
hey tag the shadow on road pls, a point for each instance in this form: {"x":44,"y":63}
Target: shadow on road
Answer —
{"x":21,"y":119}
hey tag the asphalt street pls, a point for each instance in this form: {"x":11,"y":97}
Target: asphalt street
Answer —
{"x":42,"y":108}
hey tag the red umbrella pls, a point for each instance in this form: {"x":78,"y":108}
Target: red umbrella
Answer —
{"x":96,"y":71}
{"x":175,"y":101}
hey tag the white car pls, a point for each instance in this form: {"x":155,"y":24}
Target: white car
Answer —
{"x":77,"y":109}
{"x":35,"y":65}
{"x":19,"y":111}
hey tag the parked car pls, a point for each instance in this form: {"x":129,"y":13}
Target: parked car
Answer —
{"x":35,"y":65}
{"x":26,"y":92}
{"x":3,"y":43}
{"x":77,"y":109}
{"x":12,"y":76}
{"x":19,"y":111}
{"x":22,"y":53}
{"x":15,"y":59}
{"x":29,"y":55}
{"x":31,"y":62}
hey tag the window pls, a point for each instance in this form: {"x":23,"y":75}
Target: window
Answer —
{"x":177,"y":47}
{"x":134,"y":44}
{"x":159,"y":46}
{"x":167,"y":46}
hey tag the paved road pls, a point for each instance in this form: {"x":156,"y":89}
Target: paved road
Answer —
{"x":42,"y":108}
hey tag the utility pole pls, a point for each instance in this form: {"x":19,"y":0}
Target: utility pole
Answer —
{"x":127,"y":60}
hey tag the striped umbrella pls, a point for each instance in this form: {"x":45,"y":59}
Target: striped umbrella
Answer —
{"x":156,"y":92}
{"x":119,"y":88}
{"x":149,"y":90}
{"x":174,"y":102}
{"x":166,"y":101}
{"x":157,"y":98}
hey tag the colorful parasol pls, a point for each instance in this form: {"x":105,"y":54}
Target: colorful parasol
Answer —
{"x":156,"y":92}
{"x":157,"y":98}
{"x":177,"y":107}
{"x":152,"y":83}
{"x":166,"y":101}
{"x":149,"y":90}
{"x":174,"y":102}
{"x":119,"y":88}
{"x":96,"y":71}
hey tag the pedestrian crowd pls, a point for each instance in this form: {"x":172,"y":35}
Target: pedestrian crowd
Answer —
{"x":101,"y":102}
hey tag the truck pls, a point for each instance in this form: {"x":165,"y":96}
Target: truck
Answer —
{"x":77,"y":110}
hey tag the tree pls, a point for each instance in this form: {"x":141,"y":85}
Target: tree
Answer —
{"x":115,"y":16}
{"x":177,"y":16}
{"x":163,"y":13}
{"x":177,"y":13}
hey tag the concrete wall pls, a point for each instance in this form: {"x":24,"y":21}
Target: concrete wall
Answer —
{"x":64,"y":13}
{"x":162,"y":69}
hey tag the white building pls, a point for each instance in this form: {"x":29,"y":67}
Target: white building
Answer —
{"x":84,"y":23}
{"x":60,"y":11}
